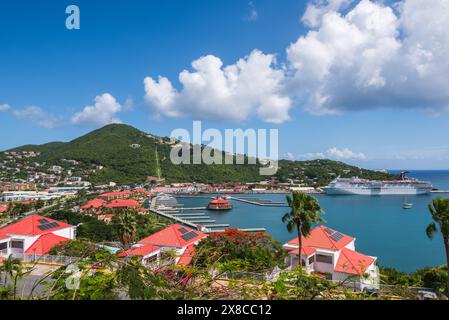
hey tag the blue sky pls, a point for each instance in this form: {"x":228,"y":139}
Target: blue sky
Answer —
{"x":58,"y":72}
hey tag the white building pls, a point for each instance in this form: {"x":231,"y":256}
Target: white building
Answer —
{"x":176,"y":238}
{"x":34,"y":235}
{"x":12,"y":196}
{"x":333,"y":254}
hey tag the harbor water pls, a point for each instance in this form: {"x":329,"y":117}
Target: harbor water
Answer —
{"x":380,"y":225}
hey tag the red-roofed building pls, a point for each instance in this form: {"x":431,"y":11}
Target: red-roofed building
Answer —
{"x":115,"y":195}
{"x":333,"y":253}
{"x":187,"y":256}
{"x":174,"y":236}
{"x":36,"y":233}
{"x":45,"y":243}
{"x":93,"y":204}
{"x":177,"y":238}
{"x":149,"y":254}
{"x":123,"y":203}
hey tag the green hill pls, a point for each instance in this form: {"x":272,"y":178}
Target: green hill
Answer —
{"x":110,"y":147}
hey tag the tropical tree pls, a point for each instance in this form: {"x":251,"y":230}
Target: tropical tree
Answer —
{"x":9,"y":267}
{"x":305,"y":210}
{"x":439,"y":210}
{"x":125,"y":221}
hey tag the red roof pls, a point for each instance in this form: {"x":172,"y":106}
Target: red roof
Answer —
{"x":115,"y":194}
{"x":95,"y":203}
{"x":305,"y":251}
{"x":187,"y":255}
{"x":172,"y":237}
{"x":45,"y":243}
{"x":353,"y":262}
{"x":320,"y":237}
{"x":29,"y":226}
{"x":4,"y":236}
{"x":123,"y":203}
{"x":139,"y":251}
{"x":3,"y":208}
{"x":139,"y":190}
{"x":219,"y":201}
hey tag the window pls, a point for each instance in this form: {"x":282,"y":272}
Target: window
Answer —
{"x":324,"y":259}
{"x":17,"y":244}
{"x":151,"y":259}
{"x":312,"y":259}
{"x":3,"y":245}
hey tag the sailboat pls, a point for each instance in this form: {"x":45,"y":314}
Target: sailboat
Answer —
{"x":407,"y":205}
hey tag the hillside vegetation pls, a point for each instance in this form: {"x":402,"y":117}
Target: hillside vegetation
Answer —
{"x":110,"y":147}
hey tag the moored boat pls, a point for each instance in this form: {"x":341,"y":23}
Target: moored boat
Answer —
{"x":400,"y":186}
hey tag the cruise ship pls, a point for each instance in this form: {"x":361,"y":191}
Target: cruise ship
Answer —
{"x":401,"y":186}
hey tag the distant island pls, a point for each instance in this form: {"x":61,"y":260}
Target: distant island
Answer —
{"x":126,"y":155}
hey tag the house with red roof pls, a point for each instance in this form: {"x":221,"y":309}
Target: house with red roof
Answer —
{"x":177,"y":238}
{"x":123,"y":203}
{"x":35,"y":235}
{"x":115,"y":195}
{"x":333,"y":253}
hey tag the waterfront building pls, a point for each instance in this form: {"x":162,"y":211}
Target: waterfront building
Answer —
{"x":34,"y":235}
{"x":219,"y":204}
{"x":333,"y":254}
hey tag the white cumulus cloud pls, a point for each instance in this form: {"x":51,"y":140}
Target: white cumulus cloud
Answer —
{"x":333,"y":153}
{"x":253,"y":14}
{"x":344,"y":154}
{"x":4,"y":107}
{"x":317,"y":9}
{"x":103,"y":112}
{"x":311,"y":156}
{"x":251,"y":86}
{"x":37,"y":115}
{"x":372,"y":56}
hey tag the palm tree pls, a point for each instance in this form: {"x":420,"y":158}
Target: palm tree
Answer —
{"x":305,"y":211}
{"x":126,"y":223}
{"x":439,"y":210}
{"x":10,"y":266}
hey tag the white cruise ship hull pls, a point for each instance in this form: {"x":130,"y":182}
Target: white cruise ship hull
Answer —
{"x":375,"y":192}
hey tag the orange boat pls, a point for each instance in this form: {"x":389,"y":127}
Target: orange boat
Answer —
{"x":219,"y":204}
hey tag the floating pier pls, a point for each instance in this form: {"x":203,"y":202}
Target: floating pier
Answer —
{"x":244,"y":230}
{"x":189,"y":215}
{"x":185,"y":209}
{"x":260,"y":202}
{"x":203,"y":221}
{"x":199,"y":221}
{"x":216,"y":225}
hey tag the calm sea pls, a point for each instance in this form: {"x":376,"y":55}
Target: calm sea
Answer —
{"x":379,"y":224}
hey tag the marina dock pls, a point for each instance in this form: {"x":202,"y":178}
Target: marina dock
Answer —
{"x":185,"y":209}
{"x":166,"y":206}
{"x":258,"y":202}
{"x":244,"y":230}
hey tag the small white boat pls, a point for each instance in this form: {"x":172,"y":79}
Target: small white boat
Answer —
{"x":407,"y":205}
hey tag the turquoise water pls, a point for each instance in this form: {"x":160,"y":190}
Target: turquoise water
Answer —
{"x":379,"y":224}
